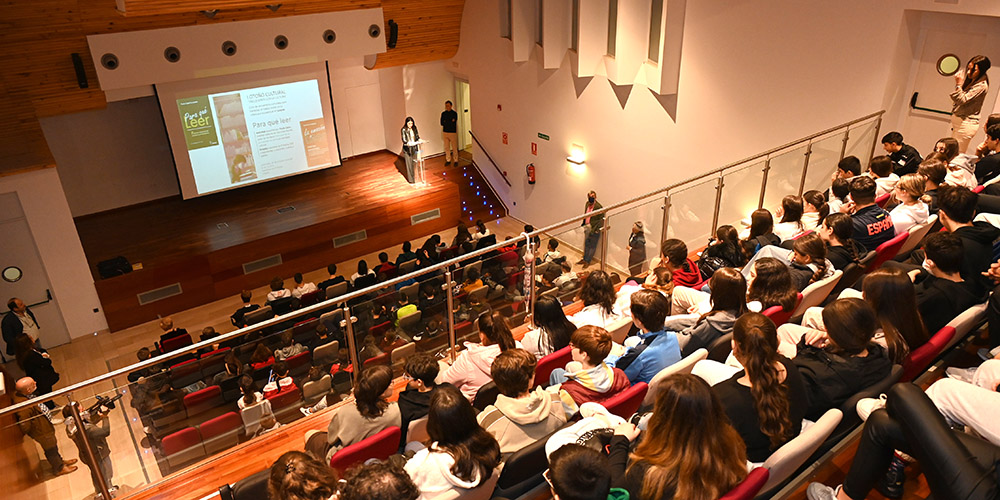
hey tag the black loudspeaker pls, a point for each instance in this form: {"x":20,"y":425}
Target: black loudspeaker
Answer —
{"x":393,"y":34}
{"x":113,"y":267}
{"x":81,"y":74}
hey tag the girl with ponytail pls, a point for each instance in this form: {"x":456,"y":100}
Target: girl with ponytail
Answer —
{"x":767,"y":401}
{"x":809,"y":263}
{"x":814,"y":209}
{"x":837,"y":232}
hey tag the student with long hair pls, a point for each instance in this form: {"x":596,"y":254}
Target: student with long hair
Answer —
{"x":791,"y":218}
{"x":838,"y":366}
{"x":723,"y":251}
{"x":297,"y":476}
{"x":598,"y":296}
{"x":912,"y":208}
{"x":462,"y":455}
{"x":552,"y":329}
{"x":814,"y":209}
{"x":837,"y":232}
{"x":766,"y":401}
{"x":728,"y":300}
{"x":370,"y":414}
{"x":261,"y":357}
{"x":471,"y":369}
{"x":967,"y":100}
{"x":771,"y":285}
{"x":761,"y":232}
{"x":248,"y":389}
{"x":688,"y":451}
{"x":808,"y":262}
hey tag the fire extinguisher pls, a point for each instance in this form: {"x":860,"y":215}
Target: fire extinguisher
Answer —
{"x":530,"y":169}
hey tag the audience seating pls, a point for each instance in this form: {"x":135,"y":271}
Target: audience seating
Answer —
{"x":817,"y":292}
{"x":683,"y":366}
{"x":619,"y":330}
{"x":482,"y":492}
{"x":779,"y":315}
{"x":522,"y":471}
{"x":314,"y":390}
{"x":332,"y":320}
{"x":887,"y":250}
{"x":921,"y":357}
{"x":881,"y":201}
{"x":253,"y":487}
{"x":486,"y":396}
{"x":412,"y":292}
{"x":625,"y":403}
{"x":380,"y":446}
{"x":381,"y":359}
{"x":251,"y":416}
{"x":398,"y":356}
{"x":326,"y":353}
{"x":221,"y":432}
{"x":308,"y":299}
{"x":785,"y":461}
{"x":916,"y":236}
{"x":407,"y":267}
{"x":336,"y":290}
{"x":263,"y":314}
{"x":849,"y":418}
{"x":410,"y":323}
{"x":185,"y":374}
{"x":417,"y":431}
{"x":852,"y":273}
{"x":175,"y":343}
{"x":285,"y":404}
{"x":749,"y":487}
{"x":299,"y":364}
{"x":204,"y":400}
{"x":182,"y":447}
{"x":967,"y":322}
{"x":720,"y":348}
{"x":378,"y":331}
{"x":550,"y":362}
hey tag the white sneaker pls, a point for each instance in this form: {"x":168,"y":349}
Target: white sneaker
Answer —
{"x":867,"y":405}
{"x":820,"y":491}
{"x":306,"y":411}
{"x":962,"y":374}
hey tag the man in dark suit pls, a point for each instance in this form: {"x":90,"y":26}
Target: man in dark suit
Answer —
{"x":19,"y":320}
{"x":592,"y":227}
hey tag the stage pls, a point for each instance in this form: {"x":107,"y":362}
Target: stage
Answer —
{"x":196,"y":251}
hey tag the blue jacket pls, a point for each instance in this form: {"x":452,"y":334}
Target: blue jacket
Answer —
{"x":661,"y":351}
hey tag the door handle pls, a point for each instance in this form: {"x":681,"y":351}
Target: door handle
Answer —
{"x":48,"y":298}
{"x":913,"y":105}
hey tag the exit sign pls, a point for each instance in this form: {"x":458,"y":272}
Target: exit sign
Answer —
{"x":543,"y":136}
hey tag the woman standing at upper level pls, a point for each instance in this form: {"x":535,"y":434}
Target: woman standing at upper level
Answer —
{"x":967,"y":100}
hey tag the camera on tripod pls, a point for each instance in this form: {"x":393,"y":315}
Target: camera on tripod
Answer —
{"x":105,"y":402}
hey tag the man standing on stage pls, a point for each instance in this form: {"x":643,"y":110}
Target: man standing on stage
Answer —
{"x":592,"y":227}
{"x":449,"y":124}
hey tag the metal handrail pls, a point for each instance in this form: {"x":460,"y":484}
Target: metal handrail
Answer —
{"x":487,"y":153}
{"x":67,"y":391}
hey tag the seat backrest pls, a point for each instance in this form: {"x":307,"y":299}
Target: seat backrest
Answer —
{"x":749,"y":486}
{"x":380,"y":446}
{"x":682,"y":366}
{"x":203,"y":400}
{"x":381,"y":359}
{"x":625,"y":403}
{"x":252,"y":487}
{"x":779,"y":315}
{"x":284,"y":305}
{"x":407,"y":267}
{"x":887,"y":250}
{"x":412,"y":291}
{"x":308,"y":299}
{"x":817,"y":292}
{"x":479,"y":294}
{"x":881,"y":201}
{"x":326,"y":353}
{"x":417,"y":430}
{"x":410,"y":322}
{"x":485,"y":396}
{"x":402,"y":352}
{"x":256,"y":316}
{"x":221,"y":432}
{"x":313,"y":389}
{"x":182,"y":447}
{"x":720,"y":348}
{"x":175,"y":343}
{"x":787,"y":459}
{"x":299,"y":360}
{"x":917,"y":233}
{"x":336,"y":290}
{"x":251,"y":416}
{"x":921,"y":357}
{"x":619,"y":329}
{"x":285,"y":398}
{"x":550,"y":362}
{"x":378,"y":331}
{"x":966,"y":322}
{"x":523,"y":469}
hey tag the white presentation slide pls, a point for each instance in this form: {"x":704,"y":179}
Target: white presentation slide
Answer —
{"x":235,"y":135}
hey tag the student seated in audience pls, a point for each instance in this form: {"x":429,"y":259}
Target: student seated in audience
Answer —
{"x":316,"y":374}
{"x":237,"y":319}
{"x":770,"y":284}
{"x":933,"y":171}
{"x":904,"y":157}
{"x":988,"y":166}
{"x":406,"y":254}
{"x":370,"y":414}
{"x":332,"y":280}
{"x":403,"y":307}
{"x":674,"y":257}
{"x":791,"y":218}
{"x":806,"y":261}
{"x":289,"y":347}
{"x":420,"y":370}
{"x":598,"y":297}
{"x":580,"y":473}
{"x":912,"y":208}
{"x":955,"y":464}
{"x":261,"y":357}
{"x":369,"y":349}
{"x":278,"y":290}
{"x":814,"y":210}
{"x":760,"y":233}
{"x":961,"y":167}
{"x":725,"y":249}
{"x":520,"y":416}
{"x":471,"y":281}
{"x":567,"y":279}
{"x":847,"y":168}
{"x":587,"y":378}
{"x":281,"y":380}
{"x":471,"y":369}
{"x":765,"y":401}
{"x":479,"y":230}
{"x":551,"y":254}
{"x":941,"y":292}
{"x":688,"y":451}
{"x":880,"y":170}
{"x":840,"y":191}
{"x":462,"y":235}
{"x":727,"y":302}
{"x":837,"y":232}
{"x":232,"y":367}
{"x":462,"y":455}
{"x":385,"y":266}
{"x":872,"y":224}
{"x":364,"y":277}
{"x":302,"y":287}
{"x":169,"y":331}
{"x":838,"y":365}
{"x":321,"y":337}
{"x":377,"y":481}
{"x":296,"y":475}
{"x":142,"y":355}
{"x":658,"y":348}
{"x":551,"y":330}
{"x":250,"y":394}
{"x":430,"y":296}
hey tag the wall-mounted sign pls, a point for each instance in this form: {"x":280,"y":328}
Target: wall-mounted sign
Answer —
{"x":534,"y":149}
{"x":504,"y":137}
{"x":543,"y":136}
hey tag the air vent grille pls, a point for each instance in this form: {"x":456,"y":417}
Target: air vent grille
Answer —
{"x":159,"y":294}
{"x":425,"y":216}
{"x":347,"y":239}
{"x":260,"y":265}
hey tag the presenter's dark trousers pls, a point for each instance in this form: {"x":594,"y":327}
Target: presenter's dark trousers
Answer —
{"x":590,"y":246}
{"x":410,"y":161}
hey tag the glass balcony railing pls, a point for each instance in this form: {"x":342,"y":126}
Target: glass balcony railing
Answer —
{"x":197,"y":401}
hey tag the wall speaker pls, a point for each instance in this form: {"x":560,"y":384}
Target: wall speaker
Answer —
{"x":374,"y":31}
{"x":329,"y":36}
{"x":281,"y":42}
{"x":229,"y":47}
{"x":172,"y":54}
{"x":109,"y":61}
{"x":393,"y":34}
{"x":81,"y":74}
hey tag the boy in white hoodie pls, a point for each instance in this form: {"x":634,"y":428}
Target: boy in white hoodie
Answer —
{"x":520,"y":416}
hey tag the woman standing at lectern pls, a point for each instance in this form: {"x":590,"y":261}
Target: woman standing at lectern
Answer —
{"x":410,"y":136}
{"x":967,"y":100}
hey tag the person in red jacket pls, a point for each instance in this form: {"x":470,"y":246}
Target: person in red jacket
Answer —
{"x":588,"y":378}
{"x":674,"y":257}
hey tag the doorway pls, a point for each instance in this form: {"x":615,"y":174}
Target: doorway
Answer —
{"x":942,"y":34}
{"x":24,"y":275}
{"x":464,"y":118}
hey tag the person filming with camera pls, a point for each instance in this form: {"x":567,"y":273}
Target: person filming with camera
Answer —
{"x":95,"y":428}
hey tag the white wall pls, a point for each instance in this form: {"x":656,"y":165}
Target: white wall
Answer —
{"x":114,"y":157}
{"x":357,"y":108}
{"x":48,"y":214}
{"x":754,"y":75}
{"x":426,"y":87}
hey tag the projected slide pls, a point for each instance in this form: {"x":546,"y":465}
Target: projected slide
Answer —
{"x":255,"y":134}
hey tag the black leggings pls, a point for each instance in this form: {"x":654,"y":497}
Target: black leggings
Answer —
{"x":957,"y":465}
